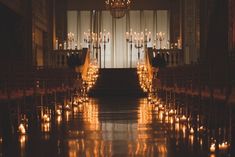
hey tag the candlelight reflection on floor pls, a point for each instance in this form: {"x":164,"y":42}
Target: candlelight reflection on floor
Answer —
{"x":122,"y":127}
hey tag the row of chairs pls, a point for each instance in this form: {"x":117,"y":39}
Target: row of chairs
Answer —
{"x":21,"y":79}
{"x":196,"y":79}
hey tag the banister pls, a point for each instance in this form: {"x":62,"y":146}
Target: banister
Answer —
{"x":83,"y":68}
{"x":148,"y":62}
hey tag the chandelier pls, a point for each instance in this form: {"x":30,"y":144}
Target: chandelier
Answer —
{"x":118,"y":8}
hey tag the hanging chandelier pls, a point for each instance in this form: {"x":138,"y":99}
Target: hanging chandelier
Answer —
{"x":118,"y":8}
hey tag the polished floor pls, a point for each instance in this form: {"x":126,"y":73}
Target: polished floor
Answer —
{"x":119,"y":127}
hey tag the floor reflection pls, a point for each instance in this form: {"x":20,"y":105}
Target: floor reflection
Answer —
{"x":119,"y":127}
{"x":116,"y":128}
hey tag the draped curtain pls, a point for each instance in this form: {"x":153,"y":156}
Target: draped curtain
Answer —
{"x":118,"y":53}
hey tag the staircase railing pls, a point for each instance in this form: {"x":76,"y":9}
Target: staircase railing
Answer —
{"x":59,"y":58}
{"x":83,"y":68}
{"x":148,"y":63}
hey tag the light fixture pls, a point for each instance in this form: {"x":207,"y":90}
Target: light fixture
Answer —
{"x":160,"y":37}
{"x":118,"y":8}
{"x":70,"y":40}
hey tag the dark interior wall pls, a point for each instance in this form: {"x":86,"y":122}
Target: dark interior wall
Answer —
{"x":217,"y":42}
{"x":21,"y":31}
{"x":14,"y":5}
{"x":61,"y":20}
{"x":11,"y":40}
{"x":175,"y":21}
{"x":214,"y":30}
{"x":232,"y":4}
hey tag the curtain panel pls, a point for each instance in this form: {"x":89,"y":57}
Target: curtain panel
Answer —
{"x":118,"y":53}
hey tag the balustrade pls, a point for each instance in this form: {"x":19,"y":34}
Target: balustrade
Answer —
{"x":172,"y":57}
{"x":59,"y":58}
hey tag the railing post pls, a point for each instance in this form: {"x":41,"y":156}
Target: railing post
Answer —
{"x":170,"y":59}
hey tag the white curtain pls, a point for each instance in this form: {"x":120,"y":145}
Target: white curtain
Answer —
{"x":148,"y":23}
{"x":78,"y":23}
{"x":83,"y":26}
{"x":118,"y":52}
{"x":163,"y":26}
{"x":107,"y":26}
{"x":72,"y":23}
{"x":135,"y":26}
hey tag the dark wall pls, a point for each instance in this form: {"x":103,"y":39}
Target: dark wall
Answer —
{"x":61,"y":20}
{"x":175,"y":21}
{"x":218,"y":42}
{"x":11,"y":40}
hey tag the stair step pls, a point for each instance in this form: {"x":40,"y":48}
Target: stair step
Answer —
{"x":117,"y":82}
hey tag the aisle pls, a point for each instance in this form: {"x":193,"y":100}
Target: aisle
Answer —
{"x":114,"y":127}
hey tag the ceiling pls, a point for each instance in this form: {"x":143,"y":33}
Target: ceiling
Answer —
{"x":136,"y":5}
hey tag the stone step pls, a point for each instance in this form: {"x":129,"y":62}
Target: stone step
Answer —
{"x":117,"y":82}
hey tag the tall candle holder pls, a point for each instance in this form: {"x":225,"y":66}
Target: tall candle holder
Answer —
{"x":139,"y":40}
{"x":104,"y":39}
{"x":147,"y":37}
{"x":96,"y":45}
{"x":160,"y":37}
{"x":129,"y":39}
{"x":88,"y":38}
{"x":70,"y":40}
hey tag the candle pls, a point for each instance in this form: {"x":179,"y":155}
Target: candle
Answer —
{"x":223,"y":146}
{"x":22,"y":129}
{"x":212,"y":148}
{"x":56,"y":44}
{"x":108,"y":36}
{"x":65,"y":45}
{"x":127,"y":35}
{"x":191,"y":131}
{"x":60,"y":46}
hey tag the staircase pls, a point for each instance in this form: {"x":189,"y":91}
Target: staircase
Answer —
{"x":117,"y":82}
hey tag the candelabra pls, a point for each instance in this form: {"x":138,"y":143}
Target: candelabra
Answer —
{"x":96,"y":40}
{"x":139,"y":40}
{"x":147,"y":37}
{"x":70,"y":39}
{"x":129,"y":39}
{"x":88,"y":38}
{"x":104,"y":39}
{"x":160,"y":38}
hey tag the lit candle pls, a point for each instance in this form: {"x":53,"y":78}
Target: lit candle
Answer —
{"x":223,"y":146}
{"x":212,"y":148}
{"x":65,"y":45}
{"x":127,"y":35}
{"x":56,"y":44}
{"x":191,"y":131}
{"x":22,"y":129}
{"x":108,"y":36}
{"x":60,"y":46}
{"x":46,"y":118}
{"x":183,"y":118}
